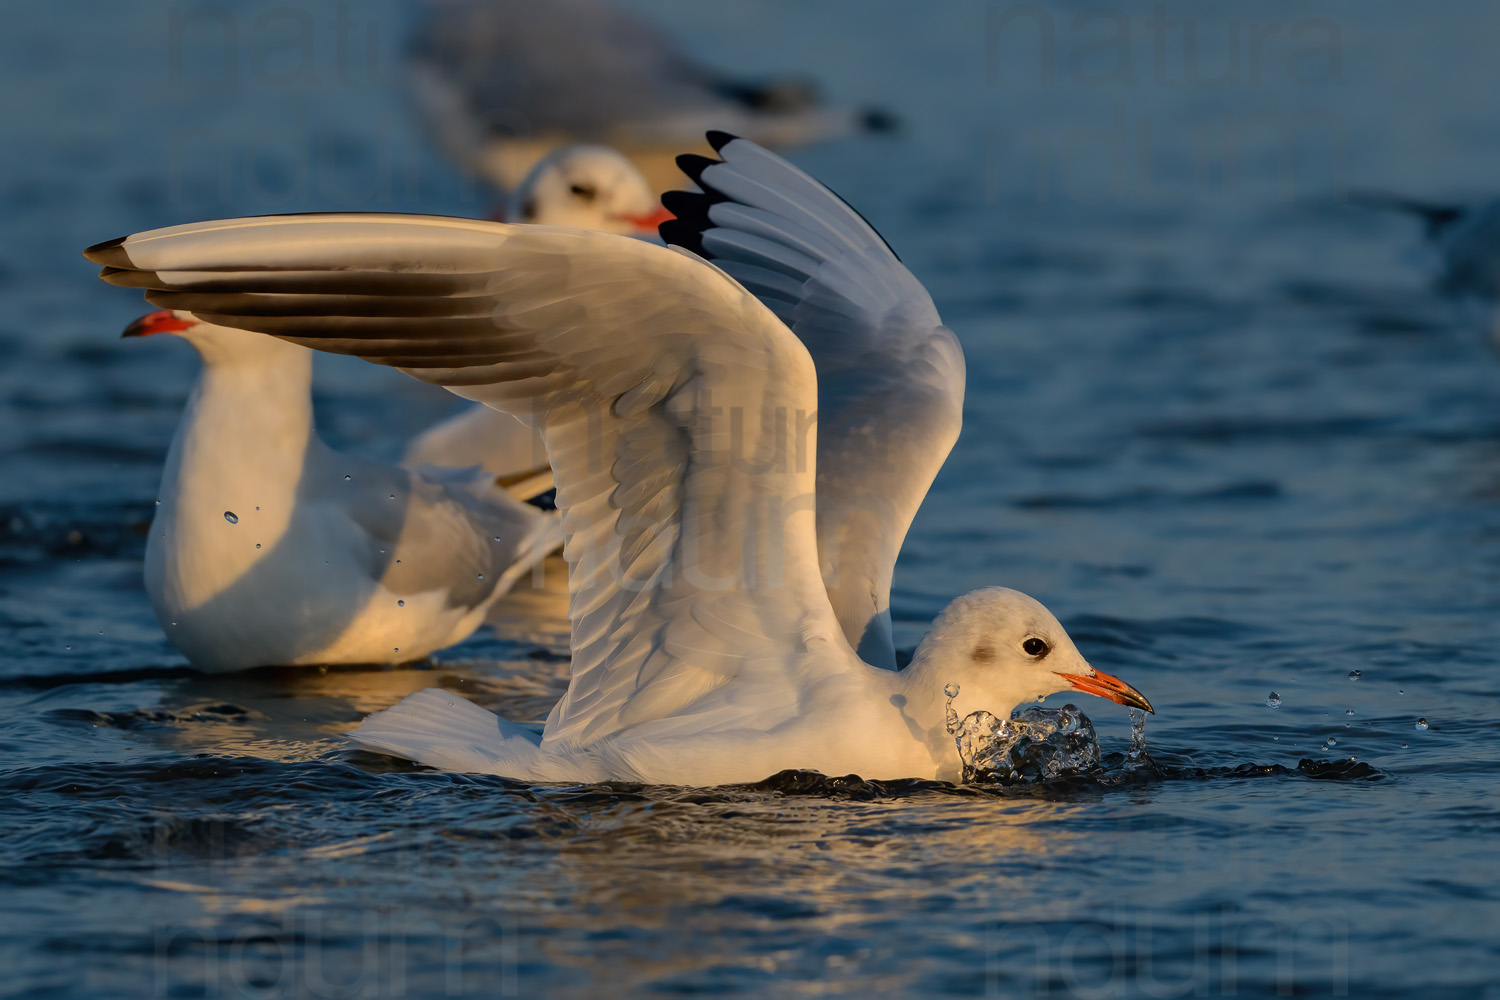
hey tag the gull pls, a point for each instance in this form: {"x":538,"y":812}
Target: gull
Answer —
{"x":270,"y":548}
{"x":1466,"y":238}
{"x":679,"y":413}
{"x":501,"y":82}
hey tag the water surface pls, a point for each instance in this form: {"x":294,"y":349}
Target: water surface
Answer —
{"x":1217,"y":420}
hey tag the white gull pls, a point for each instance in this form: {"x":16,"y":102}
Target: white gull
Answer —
{"x":270,"y":548}
{"x":674,"y":405}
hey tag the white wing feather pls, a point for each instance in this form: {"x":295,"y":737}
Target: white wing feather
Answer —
{"x":890,"y":375}
{"x":664,"y":392}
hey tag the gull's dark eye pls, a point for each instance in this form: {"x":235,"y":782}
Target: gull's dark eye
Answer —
{"x":585,"y":191}
{"x":1034,"y":647}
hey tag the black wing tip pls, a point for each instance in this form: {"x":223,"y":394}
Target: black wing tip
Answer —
{"x":101,"y":248}
{"x":691,"y":211}
{"x":693,"y":165}
{"x":718,"y":140}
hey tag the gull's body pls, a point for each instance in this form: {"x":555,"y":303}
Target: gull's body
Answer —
{"x":675,"y":407}
{"x":503,"y":82}
{"x":270,"y":548}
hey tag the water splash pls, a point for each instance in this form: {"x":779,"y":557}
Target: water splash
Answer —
{"x":1137,"y":756}
{"x":1032,"y":745}
{"x":951,"y":717}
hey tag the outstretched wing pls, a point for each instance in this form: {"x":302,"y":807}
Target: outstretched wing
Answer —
{"x":673,"y":406}
{"x":890,"y":375}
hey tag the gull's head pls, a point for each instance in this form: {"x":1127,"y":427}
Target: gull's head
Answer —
{"x":587,"y":187}
{"x":216,"y":345}
{"x":1003,"y":648}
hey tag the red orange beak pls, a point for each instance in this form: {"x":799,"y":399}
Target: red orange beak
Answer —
{"x":161,"y":321}
{"x":1107,"y":686}
{"x":650,"y":220}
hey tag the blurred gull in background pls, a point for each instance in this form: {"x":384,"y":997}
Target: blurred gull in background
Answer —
{"x":1466,"y":241}
{"x":502,"y":82}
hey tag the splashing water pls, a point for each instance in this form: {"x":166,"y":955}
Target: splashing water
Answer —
{"x":1137,"y":756}
{"x":1032,"y":745}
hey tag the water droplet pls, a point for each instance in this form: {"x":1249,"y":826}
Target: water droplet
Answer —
{"x":1354,"y":675}
{"x":1276,"y":739}
{"x":1421,"y":723}
{"x":1273,"y":700}
{"x":67,"y":647}
{"x":393,"y":496}
{"x":1332,"y":742}
{"x":257,"y":545}
{"x":497,"y":538}
{"x":398,"y":562}
{"x":396,"y":649}
{"x":480,"y":576}
{"x":231,"y":517}
{"x":400,"y":604}
{"x":1401,"y":690}
{"x":158,"y":503}
{"x":257,"y":508}
{"x":950,"y":717}
{"x":346,"y":477}
{"x":1348,"y":711}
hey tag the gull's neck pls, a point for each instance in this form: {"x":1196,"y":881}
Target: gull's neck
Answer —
{"x":917,"y":693}
{"x":243,"y":446}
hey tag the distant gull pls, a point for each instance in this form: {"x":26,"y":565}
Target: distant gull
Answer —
{"x":1465,"y":237}
{"x":502,"y":82}
{"x":672,"y":403}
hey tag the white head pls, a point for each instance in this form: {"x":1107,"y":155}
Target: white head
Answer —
{"x":222,"y":345}
{"x":587,"y":187}
{"x":1003,"y":648}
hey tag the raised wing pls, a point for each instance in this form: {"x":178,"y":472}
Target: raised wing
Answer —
{"x":668,"y":398}
{"x":890,"y":375}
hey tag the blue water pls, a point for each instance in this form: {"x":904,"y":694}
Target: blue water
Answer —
{"x":1217,"y":420}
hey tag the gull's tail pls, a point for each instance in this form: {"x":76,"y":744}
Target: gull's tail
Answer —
{"x":442,"y":729}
